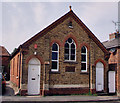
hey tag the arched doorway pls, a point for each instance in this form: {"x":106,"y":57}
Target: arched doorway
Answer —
{"x":99,"y":77}
{"x":34,"y":68}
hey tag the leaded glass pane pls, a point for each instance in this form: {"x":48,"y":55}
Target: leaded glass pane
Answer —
{"x":83,"y":66}
{"x":73,"y":46}
{"x":66,"y":51}
{"x":54,"y":55}
{"x":83,"y":50}
{"x":54,"y":64}
{"x":66,"y":45}
{"x":83,"y":57}
{"x":72,"y":51}
{"x":69,"y":40}
{"x":72,"y":57}
{"x":55,"y":47}
{"x":66,"y":57}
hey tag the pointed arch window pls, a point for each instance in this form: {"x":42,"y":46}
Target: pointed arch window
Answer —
{"x":70,"y":50}
{"x":84,"y":59}
{"x":55,"y":57}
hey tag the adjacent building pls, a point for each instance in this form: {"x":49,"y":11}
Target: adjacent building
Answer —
{"x":113,"y":46}
{"x":4,"y":62}
{"x":64,"y":58}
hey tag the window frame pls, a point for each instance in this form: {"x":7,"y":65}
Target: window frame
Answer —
{"x":84,"y":61}
{"x":57,"y":69}
{"x":73,"y":42}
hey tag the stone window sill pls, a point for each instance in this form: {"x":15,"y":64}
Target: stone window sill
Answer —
{"x":84,"y":73}
{"x":71,"y":27}
{"x":54,"y":72}
{"x":71,"y":62}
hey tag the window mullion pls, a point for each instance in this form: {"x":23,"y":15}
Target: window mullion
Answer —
{"x":69,"y":51}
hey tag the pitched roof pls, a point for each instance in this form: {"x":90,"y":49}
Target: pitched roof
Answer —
{"x":57,"y":22}
{"x":112,"y":43}
{"x":3,"y":51}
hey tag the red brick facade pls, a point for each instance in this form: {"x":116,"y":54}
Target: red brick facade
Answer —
{"x":15,"y":66}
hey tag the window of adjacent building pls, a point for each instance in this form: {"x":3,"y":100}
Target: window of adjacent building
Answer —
{"x":13,"y":65}
{"x":55,"y":57}
{"x":70,"y":50}
{"x":17,"y":64}
{"x":84,"y":59}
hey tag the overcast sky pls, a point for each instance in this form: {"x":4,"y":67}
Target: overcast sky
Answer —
{"x":22,"y":20}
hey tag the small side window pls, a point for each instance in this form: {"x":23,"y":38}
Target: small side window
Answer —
{"x":55,"y":57}
{"x":84,"y":59}
{"x":70,"y":24}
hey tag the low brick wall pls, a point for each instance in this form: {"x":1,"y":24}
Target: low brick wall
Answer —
{"x":65,"y":91}
{"x":59,"y":91}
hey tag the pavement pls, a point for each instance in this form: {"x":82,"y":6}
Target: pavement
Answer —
{"x":76,"y":98}
{"x":9,"y":97}
{"x":9,"y":90}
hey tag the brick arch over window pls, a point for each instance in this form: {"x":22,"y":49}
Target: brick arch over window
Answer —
{"x":100,"y":60}
{"x":72,"y":37}
{"x":34,"y":56}
{"x":55,"y":41}
{"x":86,"y":45}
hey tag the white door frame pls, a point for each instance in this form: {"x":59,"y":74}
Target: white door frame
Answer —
{"x":34,"y":67}
{"x":99,"y":77}
{"x":111,"y":81}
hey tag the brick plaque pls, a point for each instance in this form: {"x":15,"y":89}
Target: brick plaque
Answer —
{"x":70,"y":69}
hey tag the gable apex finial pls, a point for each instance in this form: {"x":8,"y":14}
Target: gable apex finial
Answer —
{"x":70,"y":7}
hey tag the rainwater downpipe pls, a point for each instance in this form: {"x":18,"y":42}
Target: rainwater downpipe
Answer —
{"x":89,"y":66}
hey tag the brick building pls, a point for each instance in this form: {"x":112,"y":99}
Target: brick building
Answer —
{"x":4,"y":62}
{"x":113,"y":46}
{"x":64,"y":58}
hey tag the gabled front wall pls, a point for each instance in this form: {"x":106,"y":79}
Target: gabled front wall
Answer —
{"x":62,"y":79}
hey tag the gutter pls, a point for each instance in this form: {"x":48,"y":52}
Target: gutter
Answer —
{"x":15,"y":52}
